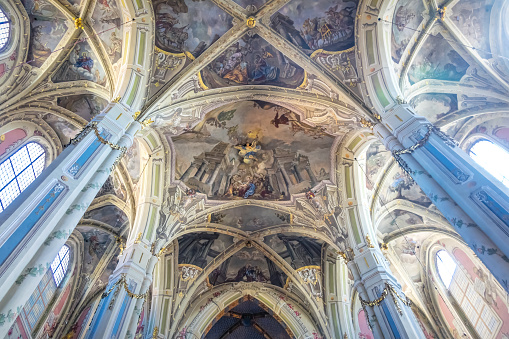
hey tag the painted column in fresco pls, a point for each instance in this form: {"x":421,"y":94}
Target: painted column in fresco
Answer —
{"x":478,"y":193}
{"x":43,"y":216}
{"x":389,"y":312}
{"x":435,"y":188}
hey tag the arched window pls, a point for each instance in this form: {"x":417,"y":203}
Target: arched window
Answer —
{"x":43,"y":294}
{"x":446,"y":267}
{"x":20,"y":170}
{"x":5,"y":28}
{"x":468,"y":295}
{"x":59,"y":265}
{"x":492,"y":158}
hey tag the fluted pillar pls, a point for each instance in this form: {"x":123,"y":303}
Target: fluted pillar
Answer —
{"x":54,"y":203}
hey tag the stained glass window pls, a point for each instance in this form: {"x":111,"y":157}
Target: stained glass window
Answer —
{"x":59,"y":265}
{"x":5,"y":28}
{"x":20,"y":170}
{"x":492,"y":158}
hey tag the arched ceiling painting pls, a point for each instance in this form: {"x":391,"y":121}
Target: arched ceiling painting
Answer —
{"x":252,"y":150}
{"x":189,"y":26}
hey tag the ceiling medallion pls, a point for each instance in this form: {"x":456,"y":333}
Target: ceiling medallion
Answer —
{"x":251,"y":22}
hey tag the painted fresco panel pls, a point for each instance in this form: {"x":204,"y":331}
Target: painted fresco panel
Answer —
{"x":65,"y":130}
{"x":108,"y":214}
{"x":252,"y":150}
{"x":312,"y":25}
{"x":107,"y":23}
{"x":81,"y":64}
{"x":47,"y":27}
{"x":377,"y":158}
{"x":434,"y":106}
{"x":245,"y":3}
{"x":437,"y":59}
{"x":248,"y":265}
{"x":252,"y":61}
{"x":187,"y":25}
{"x":86,"y":106}
{"x":472,"y":17}
{"x":406,"y":20}
{"x":96,"y":243}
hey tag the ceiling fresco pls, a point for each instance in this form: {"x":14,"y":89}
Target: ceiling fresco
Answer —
{"x":188,"y":25}
{"x":400,"y":186}
{"x":256,"y":3}
{"x":247,"y":319}
{"x":252,"y":61}
{"x":86,"y":106}
{"x":297,"y":250}
{"x":81,"y":64}
{"x":311,"y":25}
{"x":377,"y":158}
{"x":399,"y":219}
{"x":250,"y":218}
{"x":109,"y":214}
{"x":47,"y":27}
{"x":107,"y":20}
{"x":472,"y":17}
{"x":434,"y":106}
{"x":407,"y":18}
{"x":199,"y":249}
{"x":248,"y":265}
{"x":65,"y":130}
{"x":252,"y":150}
{"x":437,"y":59}
{"x":96,"y":242}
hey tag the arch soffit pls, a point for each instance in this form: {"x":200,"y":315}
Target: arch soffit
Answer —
{"x":267,"y":251}
{"x":275,"y":298}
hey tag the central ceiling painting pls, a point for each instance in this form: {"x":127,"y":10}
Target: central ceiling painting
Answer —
{"x":252,"y":150}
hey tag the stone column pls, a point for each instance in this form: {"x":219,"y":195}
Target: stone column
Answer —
{"x":390,"y":316}
{"x":187,"y":173}
{"x":54,"y":204}
{"x":486,"y":249}
{"x":481,"y":196}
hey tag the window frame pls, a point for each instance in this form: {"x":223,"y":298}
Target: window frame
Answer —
{"x":30,"y":165}
{"x":485,"y":138}
{"x":9,"y":28}
{"x":62,"y":261}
